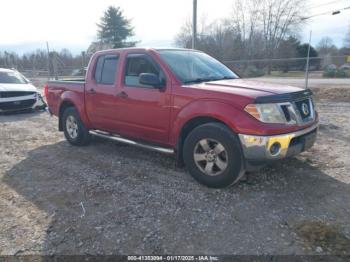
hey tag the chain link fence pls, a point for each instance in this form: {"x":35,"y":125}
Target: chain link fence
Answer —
{"x":326,"y":66}
{"x":319,"y":67}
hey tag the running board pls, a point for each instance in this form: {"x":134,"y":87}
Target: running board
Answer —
{"x":131,"y":142}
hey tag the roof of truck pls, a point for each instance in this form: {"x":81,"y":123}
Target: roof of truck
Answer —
{"x":149,"y":48}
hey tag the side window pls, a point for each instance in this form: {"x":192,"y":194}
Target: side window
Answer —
{"x":137,"y":64}
{"x":106,"y":69}
{"x":98,"y":69}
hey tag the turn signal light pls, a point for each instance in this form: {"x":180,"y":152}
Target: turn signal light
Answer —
{"x":253,"y":111}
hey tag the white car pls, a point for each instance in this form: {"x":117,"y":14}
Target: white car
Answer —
{"x":17,"y":93}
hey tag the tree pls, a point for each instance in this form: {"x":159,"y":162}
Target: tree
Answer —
{"x":256,"y":29}
{"x":302,"y":51}
{"x":326,"y":47}
{"x":288,"y":50}
{"x":115,"y":29}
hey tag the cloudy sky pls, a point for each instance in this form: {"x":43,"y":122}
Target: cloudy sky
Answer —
{"x":27,"y":25}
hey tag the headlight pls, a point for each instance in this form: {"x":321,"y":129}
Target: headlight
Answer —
{"x":267,"y":113}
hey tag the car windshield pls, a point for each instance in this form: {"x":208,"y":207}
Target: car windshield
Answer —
{"x":9,"y":77}
{"x":195,"y":67}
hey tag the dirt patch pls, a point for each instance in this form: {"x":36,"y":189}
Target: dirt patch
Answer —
{"x":324,"y":237}
{"x":109,"y":198}
{"x":338,"y":94}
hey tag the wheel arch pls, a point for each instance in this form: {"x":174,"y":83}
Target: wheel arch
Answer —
{"x":186,"y":129}
{"x":63,"y":106}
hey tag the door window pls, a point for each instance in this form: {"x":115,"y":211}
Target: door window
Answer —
{"x":137,"y":64}
{"x":106,"y":69}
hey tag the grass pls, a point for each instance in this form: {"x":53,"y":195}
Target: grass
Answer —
{"x":288,"y":74}
{"x":329,"y":237}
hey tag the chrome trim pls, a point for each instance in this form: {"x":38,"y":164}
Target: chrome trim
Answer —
{"x":131,"y":142}
{"x":258,"y":147}
{"x":294,"y":112}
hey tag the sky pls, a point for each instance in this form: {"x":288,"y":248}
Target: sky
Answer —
{"x":27,"y":25}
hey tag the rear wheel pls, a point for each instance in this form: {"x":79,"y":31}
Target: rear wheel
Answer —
{"x":74,"y":130}
{"x":213,"y":155}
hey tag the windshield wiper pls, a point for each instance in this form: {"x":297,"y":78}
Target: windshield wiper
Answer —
{"x":225,"y":78}
{"x":200,"y":80}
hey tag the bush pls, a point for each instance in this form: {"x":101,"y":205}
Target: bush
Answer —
{"x":252,"y":71}
{"x":341,"y":73}
{"x":337,"y":73}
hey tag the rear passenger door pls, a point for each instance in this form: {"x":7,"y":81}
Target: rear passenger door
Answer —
{"x":100,"y":92}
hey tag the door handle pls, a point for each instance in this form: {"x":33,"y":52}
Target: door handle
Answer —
{"x":91,"y":91}
{"x":122,"y":95}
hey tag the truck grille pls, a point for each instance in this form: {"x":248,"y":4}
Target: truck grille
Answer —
{"x":7,"y":94}
{"x":300,"y":111}
{"x":17,"y":105}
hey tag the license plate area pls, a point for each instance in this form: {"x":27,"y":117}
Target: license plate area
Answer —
{"x":302,"y":143}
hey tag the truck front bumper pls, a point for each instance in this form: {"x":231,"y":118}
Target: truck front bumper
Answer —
{"x":259,"y":149}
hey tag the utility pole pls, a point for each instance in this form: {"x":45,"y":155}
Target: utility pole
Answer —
{"x":83,"y":59}
{"x":194,"y":26}
{"x":48,"y":60}
{"x":54,"y":60}
{"x":307,"y":63}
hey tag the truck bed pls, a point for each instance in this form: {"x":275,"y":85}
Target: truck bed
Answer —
{"x":72,"y":80}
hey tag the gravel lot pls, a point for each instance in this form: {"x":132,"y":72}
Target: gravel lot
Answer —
{"x":109,"y":198}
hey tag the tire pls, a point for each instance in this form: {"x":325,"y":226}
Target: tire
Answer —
{"x":71,"y":121}
{"x":212,"y":154}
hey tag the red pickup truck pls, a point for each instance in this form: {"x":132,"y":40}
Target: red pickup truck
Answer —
{"x":186,"y":103}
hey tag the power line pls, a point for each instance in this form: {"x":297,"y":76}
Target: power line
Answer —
{"x":324,"y":4}
{"x":335,"y":12}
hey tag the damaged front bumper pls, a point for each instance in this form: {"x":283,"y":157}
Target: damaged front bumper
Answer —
{"x":21,"y":103}
{"x":259,"y":149}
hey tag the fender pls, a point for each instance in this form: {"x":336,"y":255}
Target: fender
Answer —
{"x":77,"y":99}
{"x":220,"y":110}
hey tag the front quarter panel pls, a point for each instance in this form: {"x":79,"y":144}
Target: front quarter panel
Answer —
{"x":219,"y":110}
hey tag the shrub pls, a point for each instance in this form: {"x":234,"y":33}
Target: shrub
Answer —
{"x":252,"y":71}
{"x":337,"y":73}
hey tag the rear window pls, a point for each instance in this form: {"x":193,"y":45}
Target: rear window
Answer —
{"x":106,"y":69}
{"x":12,"y":78}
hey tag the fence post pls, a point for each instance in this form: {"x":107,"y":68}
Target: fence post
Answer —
{"x":307,"y":63}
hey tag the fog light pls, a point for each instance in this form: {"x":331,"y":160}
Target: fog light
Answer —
{"x":275,"y":149}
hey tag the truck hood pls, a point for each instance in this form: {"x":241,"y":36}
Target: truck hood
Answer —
{"x":17,"y":87}
{"x":246,"y":88}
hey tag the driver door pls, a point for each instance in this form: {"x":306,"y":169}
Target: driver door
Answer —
{"x":144,"y":111}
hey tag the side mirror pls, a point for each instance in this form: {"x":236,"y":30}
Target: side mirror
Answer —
{"x":150,"y":80}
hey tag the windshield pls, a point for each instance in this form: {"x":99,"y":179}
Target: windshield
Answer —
{"x":12,"y":78}
{"x":195,"y":67}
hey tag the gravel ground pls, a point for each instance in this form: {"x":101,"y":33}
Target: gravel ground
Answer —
{"x":109,"y":198}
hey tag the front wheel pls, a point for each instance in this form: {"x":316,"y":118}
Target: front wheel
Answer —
{"x":74,"y":130}
{"x":213,"y":155}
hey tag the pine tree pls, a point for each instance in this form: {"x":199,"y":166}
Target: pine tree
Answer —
{"x":114,"y":28}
